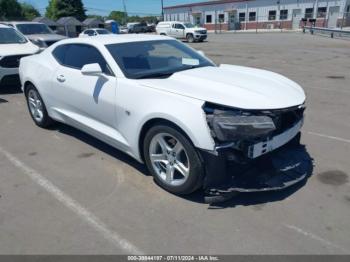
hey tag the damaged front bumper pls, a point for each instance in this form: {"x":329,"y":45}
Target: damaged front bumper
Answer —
{"x":277,"y":170}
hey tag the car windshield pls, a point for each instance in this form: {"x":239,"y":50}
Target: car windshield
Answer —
{"x":11,"y":36}
{"x":103,"y":32}
{"x":33,"y":29}
{"x":154,"y":59}
{"x":189,"y":25}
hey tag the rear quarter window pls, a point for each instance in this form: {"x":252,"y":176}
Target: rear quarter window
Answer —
{"x":59,"y":53}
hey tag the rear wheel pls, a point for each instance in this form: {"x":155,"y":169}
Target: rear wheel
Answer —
{"x":37,"y":107}
{"x":172,"y":160}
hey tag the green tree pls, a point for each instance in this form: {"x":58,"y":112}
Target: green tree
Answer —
{"x":95,"y":16}
{"x":118,"y":16}
{"x":149,"y":19}
{"x":10,"y":10}
{"x":29,"y":12}
{"x":134,"y":18}
{"x":51,"y":10}
{"x":61,"y":8}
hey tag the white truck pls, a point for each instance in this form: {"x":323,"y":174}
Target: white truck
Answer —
{"x":181,"y":30}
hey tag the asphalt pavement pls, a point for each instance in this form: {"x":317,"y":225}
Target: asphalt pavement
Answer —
{"x":64,"y":192}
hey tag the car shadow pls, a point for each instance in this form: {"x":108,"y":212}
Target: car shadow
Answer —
{"x":100,"y":145}
{"x":98,"y":87}
{"x":2,"y":101}
{"x":242,"y":199}
{"x":9,"y":90}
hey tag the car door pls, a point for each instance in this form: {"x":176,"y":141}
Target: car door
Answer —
{"x":86,"y":101}
{"x":173,"y":31}
{"x":179,"y":31}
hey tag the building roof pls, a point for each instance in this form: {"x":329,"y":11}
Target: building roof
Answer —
{"x":216,"y":2}
{"x":92,"y":20}
{"x":45,"y":20}
{"x":69,"y":20}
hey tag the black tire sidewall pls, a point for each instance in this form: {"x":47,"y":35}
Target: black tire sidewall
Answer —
{"x":196,"y":167}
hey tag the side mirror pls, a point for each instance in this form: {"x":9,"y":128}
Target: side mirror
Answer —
{"x":201,"y":52}
{"x":91,"y":70}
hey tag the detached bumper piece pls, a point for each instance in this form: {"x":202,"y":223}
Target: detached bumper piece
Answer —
{"x":275,"y":171}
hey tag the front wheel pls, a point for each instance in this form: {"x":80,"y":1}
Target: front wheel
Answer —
{"x":172,"y":160}
{"x":190,"y":38}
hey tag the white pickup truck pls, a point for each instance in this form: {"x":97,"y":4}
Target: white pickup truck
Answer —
{"x":181,"y":30}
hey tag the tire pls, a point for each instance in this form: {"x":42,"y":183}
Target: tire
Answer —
{"x":34,"y":100}
{"x":168,"y":168}
{"x":190,"y":38}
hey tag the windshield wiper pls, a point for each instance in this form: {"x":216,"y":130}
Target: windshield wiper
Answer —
{"x":155,"y":75}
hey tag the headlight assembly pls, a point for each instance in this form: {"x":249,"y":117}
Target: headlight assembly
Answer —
{"x":39,"y":43}
{"x":230,"y":127}
{"x":233,"y":125}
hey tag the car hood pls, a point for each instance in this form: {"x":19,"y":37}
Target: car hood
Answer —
{"x":46,"y":37}
{"x":199,"y":29}
{"x":18,"y":49}
{"x":234,"y":86}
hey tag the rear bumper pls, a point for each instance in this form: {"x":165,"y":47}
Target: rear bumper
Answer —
{"x":227,"y":172}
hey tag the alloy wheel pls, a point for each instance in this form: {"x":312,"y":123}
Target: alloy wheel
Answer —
{"x":35,"y":105}
{"x":169,"y":159}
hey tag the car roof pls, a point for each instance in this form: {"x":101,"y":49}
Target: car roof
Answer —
{"x":169,"y":22}
{"x":23,"y":22}
{"x":96,"y":28}
{"x":115,"y":39}
{"x":4,"y":26}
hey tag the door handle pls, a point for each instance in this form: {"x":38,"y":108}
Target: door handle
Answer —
{"x":61,"y":78}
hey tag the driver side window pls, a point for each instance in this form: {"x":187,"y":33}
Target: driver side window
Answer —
{"x":89,"y":32}
{"x":77,"y":55}
{"x":179,"y":26}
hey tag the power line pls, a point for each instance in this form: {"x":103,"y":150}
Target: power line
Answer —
{"x":108,"y":10}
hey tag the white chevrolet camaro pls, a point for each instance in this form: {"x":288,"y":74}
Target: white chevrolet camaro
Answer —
{"x":165,"y":104}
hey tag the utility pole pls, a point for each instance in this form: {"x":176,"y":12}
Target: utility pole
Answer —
{"x":125,"y":13}
{"x":162,"y":1}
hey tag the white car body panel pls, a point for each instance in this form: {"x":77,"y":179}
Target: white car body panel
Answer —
{"x":237,"y":86}
{"x":15,"y":49}
{"x":114,"y":109}
{"x":18,"y":49}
